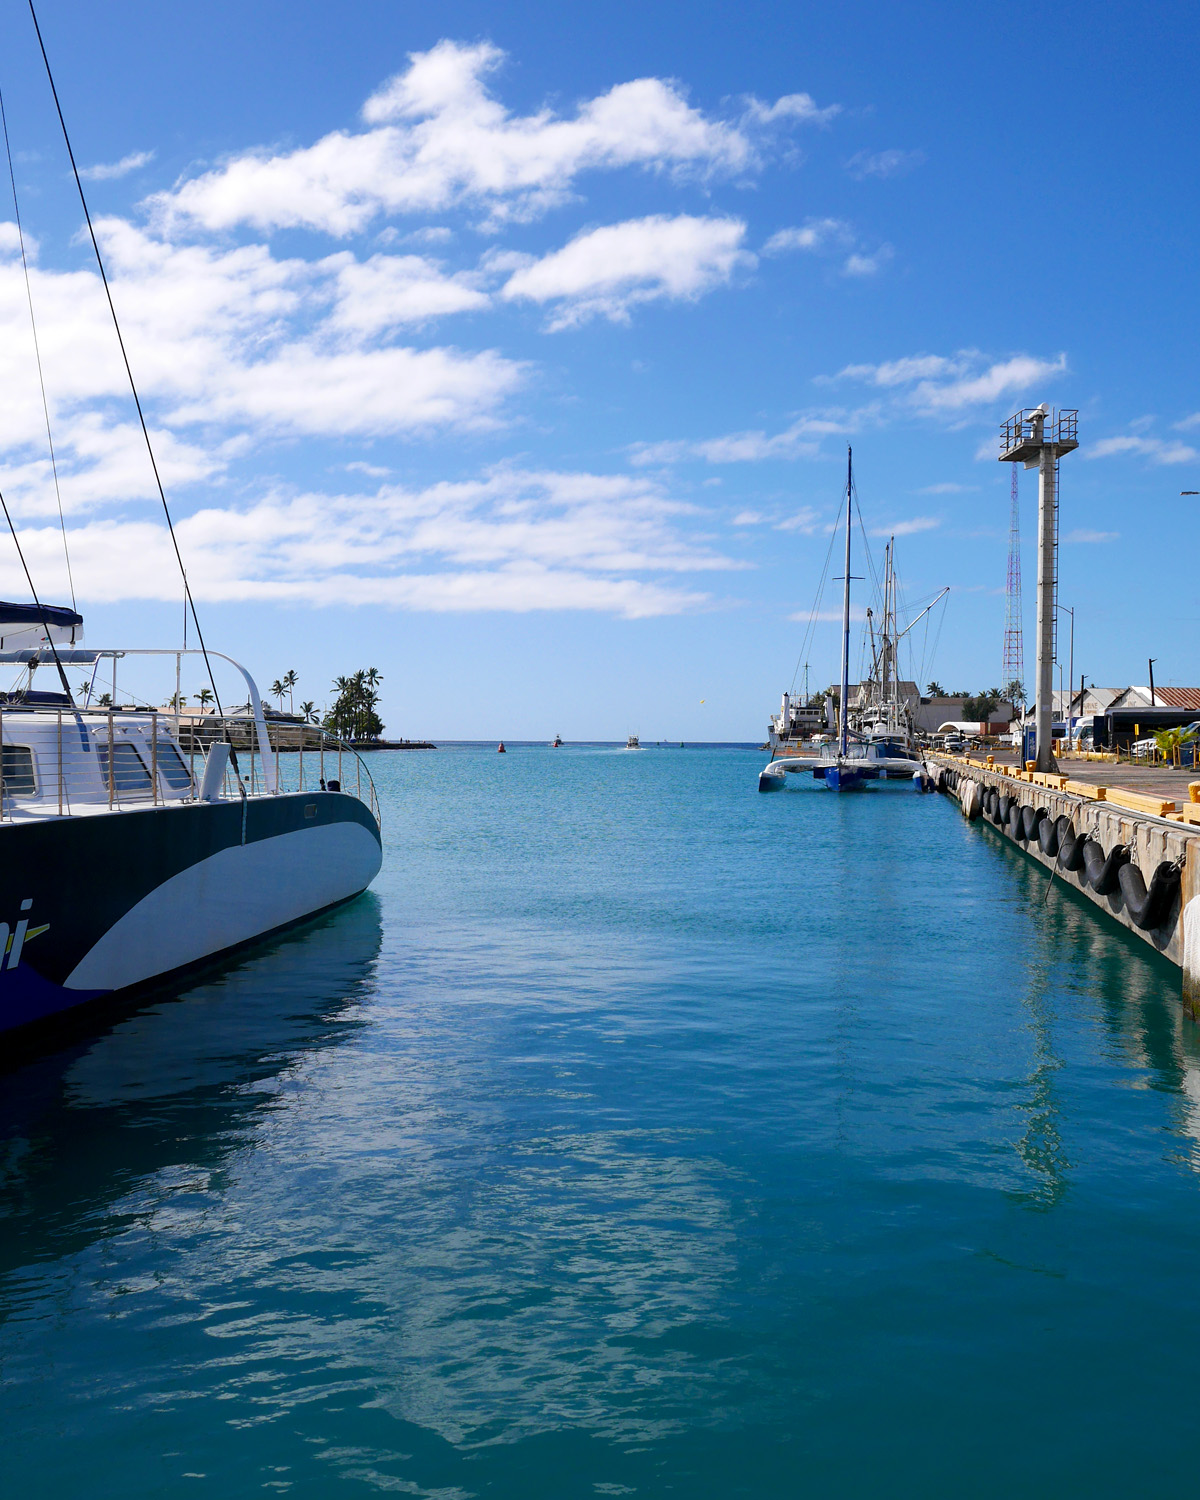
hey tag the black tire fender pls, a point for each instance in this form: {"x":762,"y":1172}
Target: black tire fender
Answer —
{"x":1102,"y":871}
{"x":1047,"y":836}
{"x":1149,"y":908}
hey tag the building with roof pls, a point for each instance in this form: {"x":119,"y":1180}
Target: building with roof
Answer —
{"x":1164,"y":697}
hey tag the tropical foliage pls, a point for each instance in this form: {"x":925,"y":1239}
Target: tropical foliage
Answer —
{"x":354,"y":715}
{"x":1169,"y":741}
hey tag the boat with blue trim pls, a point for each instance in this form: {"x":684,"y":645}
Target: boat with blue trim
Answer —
{"x":139,"y":842}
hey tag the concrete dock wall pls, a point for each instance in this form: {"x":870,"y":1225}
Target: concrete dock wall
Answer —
{"x":1151,"y":839}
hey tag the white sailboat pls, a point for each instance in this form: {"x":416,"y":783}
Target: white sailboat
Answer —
{"x":880,"y":746}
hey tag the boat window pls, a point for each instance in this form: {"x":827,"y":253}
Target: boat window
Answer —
{"x":170,"y":763}
{"x":16,"y":768}
{"x":129,"y":772}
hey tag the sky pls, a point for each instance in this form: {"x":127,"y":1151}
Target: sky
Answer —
{"x":515,"y":350}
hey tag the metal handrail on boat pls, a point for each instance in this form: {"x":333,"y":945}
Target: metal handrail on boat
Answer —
{"x":61,"y":762}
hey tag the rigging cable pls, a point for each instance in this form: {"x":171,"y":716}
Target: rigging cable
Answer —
{"x":812,"y":619}
{"x":128,"y":369}
{"x":37,"y":352}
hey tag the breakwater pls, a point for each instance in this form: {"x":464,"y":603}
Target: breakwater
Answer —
{"x":1135,"y":857}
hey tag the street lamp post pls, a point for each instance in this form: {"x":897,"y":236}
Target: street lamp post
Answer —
{"x":1071,"y":673}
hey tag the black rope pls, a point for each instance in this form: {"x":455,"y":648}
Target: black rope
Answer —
{"x":37,"y":352}
{"x":45,"y":620}
{"x":125,"y":357}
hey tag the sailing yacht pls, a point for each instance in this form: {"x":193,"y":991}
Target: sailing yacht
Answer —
{"x":880,"y":746}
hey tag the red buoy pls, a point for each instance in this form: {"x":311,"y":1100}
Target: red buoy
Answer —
{"x":500,"y":750}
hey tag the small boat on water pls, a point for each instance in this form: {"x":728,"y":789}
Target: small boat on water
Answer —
{"x":500,"y":750}
{"x":556,"y":743}
{"x":633,"y":743}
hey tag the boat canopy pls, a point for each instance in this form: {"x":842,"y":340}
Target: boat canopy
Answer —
{"x":28,"y":625}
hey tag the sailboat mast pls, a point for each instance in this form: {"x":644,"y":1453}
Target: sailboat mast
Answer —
{"x":843,"y":716}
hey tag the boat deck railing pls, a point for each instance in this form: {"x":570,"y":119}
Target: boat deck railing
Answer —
{"x":60,"y":762}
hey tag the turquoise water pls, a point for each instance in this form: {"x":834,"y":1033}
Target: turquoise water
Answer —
{"x":637,"y":1135}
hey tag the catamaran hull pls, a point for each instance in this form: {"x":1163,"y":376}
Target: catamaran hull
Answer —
{"x":92,"y":906}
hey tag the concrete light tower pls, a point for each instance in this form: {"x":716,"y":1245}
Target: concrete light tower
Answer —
{"x":1038,"y":439}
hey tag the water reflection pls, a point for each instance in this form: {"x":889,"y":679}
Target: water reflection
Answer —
{"x":181,"y":1080}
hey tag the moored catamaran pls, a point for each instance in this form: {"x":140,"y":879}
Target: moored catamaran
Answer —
{"x":882,"y":745}
{"x":137,"y":842}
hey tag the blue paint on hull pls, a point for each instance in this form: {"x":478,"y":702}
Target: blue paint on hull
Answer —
{"x":29,"y":997}
{"x":846,"y":778}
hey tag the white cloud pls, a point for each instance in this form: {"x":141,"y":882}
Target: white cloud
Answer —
{"x":1157,"y":450}
{"x":935,"y":383}
{"x":861,"y":264}
{"x":829,"y":616}
{"x":1091,"y":536}
{"x":806,"y":520}
{"x":883,"y":163}
{"x":1186,"y":425}
{"x":604,"y":272}
{"x":236,"y":337}
{"x":801,"y":440}
{"x":10,"y":239}
{"x":439,"y":138}
{"x":908,"y":528}
{"x":792,"y":107}
{"x":815,"y":234}
{"x":748,"y":518}
{"x":389,"y":290}
{"x":105,"y":171}
{"x":512,"y":539}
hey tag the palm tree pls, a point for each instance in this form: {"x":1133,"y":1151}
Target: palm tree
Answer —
{"x":309,"y":710}
{"x":204,"y":697}
{"x":277,"y":691}
{"x":289,"y":682}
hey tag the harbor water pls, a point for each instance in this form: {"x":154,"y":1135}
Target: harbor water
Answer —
{"x":637,"y":1134}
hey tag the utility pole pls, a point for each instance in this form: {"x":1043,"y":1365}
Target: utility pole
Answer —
{"x":1153,"y":659}
{"x":1038,"y":438}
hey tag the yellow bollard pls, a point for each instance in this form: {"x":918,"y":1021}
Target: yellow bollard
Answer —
{"x":1194,"y":791}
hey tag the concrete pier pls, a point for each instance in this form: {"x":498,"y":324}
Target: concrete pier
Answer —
{"x":1150,"y":828}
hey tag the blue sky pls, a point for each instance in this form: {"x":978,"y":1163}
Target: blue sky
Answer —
{"x":515,"y":350}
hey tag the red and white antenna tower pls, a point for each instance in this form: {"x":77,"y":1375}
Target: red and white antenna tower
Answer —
{"x":1014,"y":643}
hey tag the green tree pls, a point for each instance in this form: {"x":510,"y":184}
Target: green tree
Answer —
{"x":1169,"y":741}
{"x":309,"y":711}
{"x":277,"y":691}
{"x":204,"y":697}
{"x":935,"y":690}
{"x":354,"y":715}
{"x":289,"y":681}
{"x":981,"y":709}
{"x":1014,"y":692}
